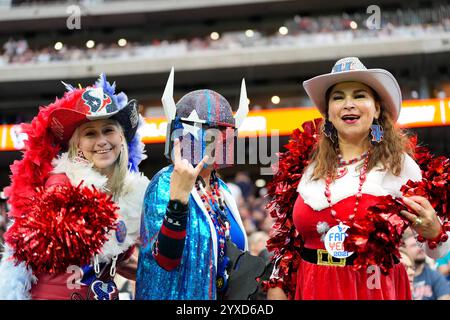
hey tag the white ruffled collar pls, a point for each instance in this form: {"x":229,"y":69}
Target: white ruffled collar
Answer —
{"x":378,"y":183}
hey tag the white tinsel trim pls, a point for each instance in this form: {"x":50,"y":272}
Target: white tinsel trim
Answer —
{"x":15,"y":280}
{"x":130,"y":205}
{"x":79,"y":171}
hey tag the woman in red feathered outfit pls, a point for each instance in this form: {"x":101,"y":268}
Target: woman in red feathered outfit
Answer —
{"x":340,"y":213}
{"x":76,"y":198}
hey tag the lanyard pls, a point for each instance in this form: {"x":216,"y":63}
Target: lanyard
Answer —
{"x":112,"y":270}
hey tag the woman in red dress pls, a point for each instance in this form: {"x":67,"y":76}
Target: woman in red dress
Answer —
{"x":360,"y":157}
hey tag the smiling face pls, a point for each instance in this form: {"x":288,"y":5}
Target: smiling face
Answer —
{"x":101,"y":142}
{"x":351,"y":109}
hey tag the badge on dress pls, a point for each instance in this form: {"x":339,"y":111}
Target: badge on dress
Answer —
{"x":121,"y":231}
{"x":104,"y":290}
{"x":334,"y":241}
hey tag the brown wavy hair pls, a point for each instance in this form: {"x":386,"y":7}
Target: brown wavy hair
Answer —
{"x":388,"y":153}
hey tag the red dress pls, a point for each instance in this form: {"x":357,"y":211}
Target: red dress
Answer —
{"x":342,"y":282}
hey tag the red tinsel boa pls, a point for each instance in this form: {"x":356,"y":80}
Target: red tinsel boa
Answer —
{"x":285,"y":240}
{"x":376,"y":237}
{"x":63,"y":226}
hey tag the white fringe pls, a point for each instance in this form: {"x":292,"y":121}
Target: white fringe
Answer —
{"x":130,"y":211}
{"x":79,"y":171}
{"x":15,"y":280}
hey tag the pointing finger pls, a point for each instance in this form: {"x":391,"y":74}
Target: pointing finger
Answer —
{"x":199,"y":167}
{"x":176,"y":151}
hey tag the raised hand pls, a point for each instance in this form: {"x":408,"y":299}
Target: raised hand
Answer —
{"x":184,"y":175}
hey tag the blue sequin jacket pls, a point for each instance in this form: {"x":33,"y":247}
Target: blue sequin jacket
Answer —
{"x":194,"y":278}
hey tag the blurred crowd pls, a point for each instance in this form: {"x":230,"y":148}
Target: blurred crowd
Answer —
{"x":16,"y":3}
{"x":299,"y":31}
{"x":429,"y":279}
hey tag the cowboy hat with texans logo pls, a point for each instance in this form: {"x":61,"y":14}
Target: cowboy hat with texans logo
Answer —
{"x":351,"y":69}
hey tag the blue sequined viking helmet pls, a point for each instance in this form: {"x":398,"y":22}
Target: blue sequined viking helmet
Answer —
{"x":209,"y":105}
{"x":204,"y":123}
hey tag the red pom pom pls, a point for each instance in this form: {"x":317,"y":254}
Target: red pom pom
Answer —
{"x":376,"y":237}
{"x":63,"y":226}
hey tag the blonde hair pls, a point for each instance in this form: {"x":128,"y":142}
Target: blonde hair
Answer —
{"x":388,"y":153}
{"x":115,"y":183}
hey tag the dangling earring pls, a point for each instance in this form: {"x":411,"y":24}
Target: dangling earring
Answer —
{"x":329,"y":130}
{"x":80,"y":154}
{"x":376,"y":130}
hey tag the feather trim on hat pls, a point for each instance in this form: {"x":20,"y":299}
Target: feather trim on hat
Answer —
{"x":33,"y":170}
{"x":136,"y":150}
{"x":120,"y":99}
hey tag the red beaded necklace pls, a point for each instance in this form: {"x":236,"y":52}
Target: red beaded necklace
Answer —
{"x":342,"y":168}
{"x":362,"y":179}
{"x":214,"y":204}
{"x":351,"y":161}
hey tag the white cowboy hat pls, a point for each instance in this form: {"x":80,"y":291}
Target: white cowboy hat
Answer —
{"x":352,"y":69}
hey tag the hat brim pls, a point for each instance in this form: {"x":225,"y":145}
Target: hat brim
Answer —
{"x":63,"y":122}
{"x":380,"y":80}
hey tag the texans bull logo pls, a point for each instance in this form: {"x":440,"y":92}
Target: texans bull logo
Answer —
{"x":104,"y":290}
{"x":99,"y":102}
